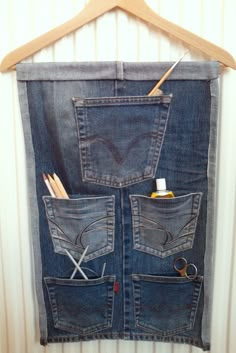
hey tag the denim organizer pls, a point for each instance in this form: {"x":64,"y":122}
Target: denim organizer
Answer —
{"x":95,"y":126}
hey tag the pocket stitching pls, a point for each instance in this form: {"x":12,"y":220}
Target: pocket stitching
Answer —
{"x":187,"y":238}
{"x":61,"y":324}
{"x":154,"y":279}
{"x":89,"y":175}
{"x":109,"y":210}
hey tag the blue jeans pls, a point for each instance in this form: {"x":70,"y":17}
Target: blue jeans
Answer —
{"x":94,"y":125}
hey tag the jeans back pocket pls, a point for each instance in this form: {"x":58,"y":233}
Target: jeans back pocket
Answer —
{"x":120,"y":138}
{"x":81,"y":306}
{"x":173,"y":307}
{"x":162,"y":227}
{"x":77,"y":223}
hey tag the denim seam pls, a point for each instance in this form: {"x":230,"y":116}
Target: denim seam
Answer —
{"x":117,"y":335}
{"x":124,"y":100}
{"x":87,"y":152}
{"x":53,"y":305}
{"x":163,"y":279}
{"x":119,"y":70}
{"x":32,"y":201}
{"x":196,"y":299}
{"x":210,"y":226}
{"x":90,"y":330}
{"x":108,"y":70}
{"x":78,"y":132}
{"x":123,"y":258}
{"x":50,"y":215}
{"x":80,"y":282}
{"x":161,"y":129}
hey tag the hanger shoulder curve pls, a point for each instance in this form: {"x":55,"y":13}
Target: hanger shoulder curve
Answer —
{"x":96,"y":8}
{"x":211,"y":50}
{"x":91,"y":11}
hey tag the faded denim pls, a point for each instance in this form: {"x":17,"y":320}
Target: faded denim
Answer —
{"x":93,"y":124}
{"x":164,"y":227}
{"x":77,"y":223}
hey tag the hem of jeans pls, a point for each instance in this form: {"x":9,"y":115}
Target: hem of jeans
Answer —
{"x":211,"y":213}
{"x":116,"y":70}
{"x":32,"y":203}
{"x":197,"y":342}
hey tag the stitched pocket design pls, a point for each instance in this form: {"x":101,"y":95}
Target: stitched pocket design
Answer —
{"x":172,"y":309}
{"x":81,"y":306}
{"x":163,"y":227}
{"x":77,"y":223}
{"x":120,"y":138}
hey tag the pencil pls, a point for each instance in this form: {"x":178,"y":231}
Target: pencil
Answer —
{"x":54,"y":187}
{"x":156,"y":91}
{"x":48,"y":185}
{"x":60,"y":186}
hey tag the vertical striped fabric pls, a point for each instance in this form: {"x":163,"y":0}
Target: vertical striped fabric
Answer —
{"x":114,"y":36}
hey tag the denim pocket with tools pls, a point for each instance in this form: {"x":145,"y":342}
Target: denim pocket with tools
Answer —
{"x":120,"y":138}
{"x":77,"y":223}
{"x":166,"y":305}
{"x":162,"y":227}
{"x":81,"y":306}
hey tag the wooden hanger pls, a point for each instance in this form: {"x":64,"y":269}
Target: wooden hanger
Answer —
{"x":96,"y":8}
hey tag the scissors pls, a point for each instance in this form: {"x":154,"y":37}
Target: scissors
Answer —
{"x":185,"y":269}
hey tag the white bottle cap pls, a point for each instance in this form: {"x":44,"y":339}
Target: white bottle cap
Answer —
{"x":161,"y":184}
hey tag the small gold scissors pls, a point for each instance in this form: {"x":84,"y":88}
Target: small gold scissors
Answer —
{"x":185,"y":269}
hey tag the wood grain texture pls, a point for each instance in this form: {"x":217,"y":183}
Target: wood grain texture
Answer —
{"x":138,"y":8}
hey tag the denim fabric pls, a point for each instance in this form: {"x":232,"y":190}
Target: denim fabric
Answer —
{"x":74,"y":307}
{"x":163,"y":227}
{"x":120,"y":139}
{"x":174,"y":298}
{"x":81,"y":222}
{"x":94,"y":126}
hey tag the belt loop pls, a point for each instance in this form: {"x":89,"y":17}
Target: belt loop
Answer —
{"x":119,"y":70}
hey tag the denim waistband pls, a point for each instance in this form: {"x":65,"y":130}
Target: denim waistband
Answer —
{"x":116,"y":70}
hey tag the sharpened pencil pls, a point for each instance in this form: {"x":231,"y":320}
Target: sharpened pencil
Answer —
{"x":156,"y":91}
{"x":54,"y":187}
{"x":60,"y":186}
{"x":48,"y":185}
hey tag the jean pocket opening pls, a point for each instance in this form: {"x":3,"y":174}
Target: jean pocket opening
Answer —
{"x":163,"y":227}
{"x":113,"y":131}
{"x":81,"y":306}
{"x":165,"y":305}
{"x":77,"y":223}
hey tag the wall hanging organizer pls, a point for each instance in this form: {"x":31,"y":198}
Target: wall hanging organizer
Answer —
{"x":112,"y":262}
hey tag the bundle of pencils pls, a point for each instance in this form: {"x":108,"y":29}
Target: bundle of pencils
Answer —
{"x":55,"y":186}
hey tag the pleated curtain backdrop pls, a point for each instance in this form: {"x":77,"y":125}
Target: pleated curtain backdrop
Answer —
{"x":114,"y":36}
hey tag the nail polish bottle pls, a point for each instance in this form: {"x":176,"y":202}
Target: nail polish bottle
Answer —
{"x":161,"y":191}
